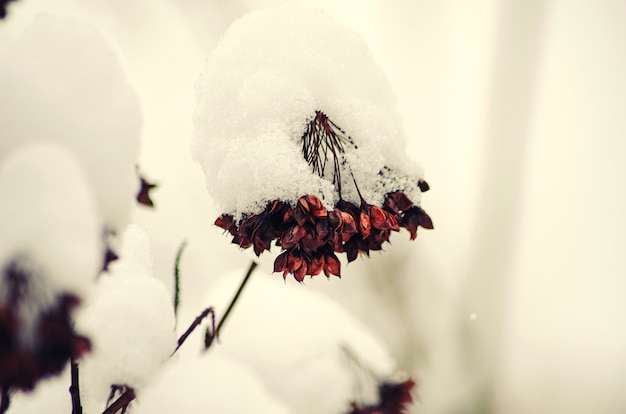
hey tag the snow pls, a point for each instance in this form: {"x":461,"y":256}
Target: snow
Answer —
{"x":130,"y":321}
{"x":263,"y":83}
{"x":50,"y":396}
{"x":61,"y":82}
{"x":562,"y":312}
{"x":209,"y":383}
{"x":295,"y":340}
{"x":49,"y":224}
{"x":135,"y":252}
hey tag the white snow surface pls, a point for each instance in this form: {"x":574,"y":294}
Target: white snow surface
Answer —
{"x":49,"y":224}
{"x":62,"y":82}
{"x":210,"y":383}
{"x":135,"y":253}
{"x":295,"y":339}
{"x":263,"y":83}
{"x":130,"y":321}
{"x":51,"y":396}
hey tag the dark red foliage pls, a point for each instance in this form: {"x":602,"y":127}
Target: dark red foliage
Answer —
{"x":54,"y":343}
{"x":51,"y":342}
{"x":143,"y":196}
{"x":109,"y":257}
{"x":394,"y":398}
{"x":423,"y":186}
{"x":310,"y":235}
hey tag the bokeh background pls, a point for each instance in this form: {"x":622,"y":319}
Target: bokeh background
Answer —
{"x":517,"y":111}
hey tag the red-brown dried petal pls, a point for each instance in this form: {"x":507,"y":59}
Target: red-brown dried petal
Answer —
{"x":316,"y":208}
{"x":316,"y":266}
{"x":322,"y":228}
{"x":289,"y":215}
{"x":410,"y":222}
{"x":301,"y":216}
{"x":364,"y":224}
{"x":393,"y":222}
{"x":377,"y":238}
{"x":303,"y":202}
{"x":242,"y":241}
{"x":398,"y":201}
{"x":300,"y":272}
{"x":424,"y":219}
{"x":309,"y":243}
{"x":292,"y":236}
{"x":337,"y":241}
{"x":349,"y":225}
{"x":332,"y":265}
{"x":273,"y":206}
{"x":260,"y":244}
{"x":294,"y":262}
{"x":227,"y":222}
{"x":334,"y":218}
{"x":280,"y":263}
{"x":378,"y":218}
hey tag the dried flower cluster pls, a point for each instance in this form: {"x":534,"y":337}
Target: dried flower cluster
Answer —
{"x":393,"y":399}
{"x":31,"y":353}
{"x":308,"y":233}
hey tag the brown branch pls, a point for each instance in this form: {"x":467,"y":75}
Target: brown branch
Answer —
{"x":194,"y":325}
{"x":77,"y":408}
{"x":122,"y":402}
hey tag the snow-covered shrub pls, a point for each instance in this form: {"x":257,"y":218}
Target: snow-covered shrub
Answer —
{"x":297,"y":132}
{"x":68,"y":146}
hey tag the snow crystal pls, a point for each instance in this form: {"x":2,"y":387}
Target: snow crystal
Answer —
{"x":263,"y":83}
{"x":48,"y":224}
{"x":299,"y":342}
{"x":61,"y":82}
{"x":130,"y":321}
{"x":211,"y":383}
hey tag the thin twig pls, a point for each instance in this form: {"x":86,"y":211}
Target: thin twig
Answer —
{"x":194,"y":325}
{"x":122,"y":402}
{"x":77,"y":408}
{"x":114,"y":389}
{"x":179,"y":254}
{"x":210,"y":336}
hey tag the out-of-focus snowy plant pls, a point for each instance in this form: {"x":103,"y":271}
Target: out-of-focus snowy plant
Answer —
{"x":130,"y":320}
{"x":302,"y":357}
{"x":297,"y":132}
{"x":69,"y":139}
{"x":49,"y":250}
{"x":62,"y":82}
{"x":207,"y":383}
{"x":298,"y":135}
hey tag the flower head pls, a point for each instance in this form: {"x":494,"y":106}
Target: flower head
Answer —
{"x":34,"y":342}
{"x":297,"y":132}
{"x":394,"y":397}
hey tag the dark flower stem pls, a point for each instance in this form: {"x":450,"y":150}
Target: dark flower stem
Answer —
{"x":357,"y":187}
{"x":5,"y":400}
{"x":77,"y":408}
{"x":194,"y":325}
{"x":210,"y":336}
{"x":122,"y":402}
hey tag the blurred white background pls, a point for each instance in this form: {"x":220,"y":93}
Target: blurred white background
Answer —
{"x":517,"y":110}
